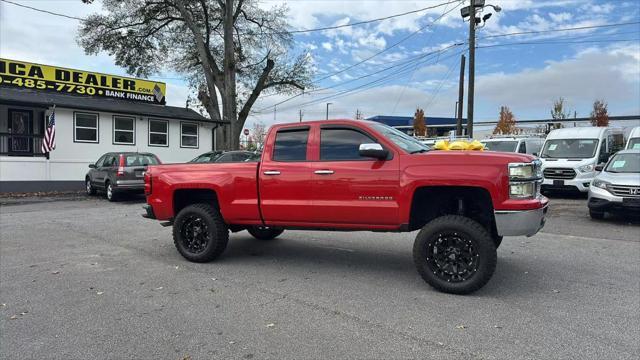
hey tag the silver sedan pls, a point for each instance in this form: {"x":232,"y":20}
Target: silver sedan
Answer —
{"x":617,"y":187}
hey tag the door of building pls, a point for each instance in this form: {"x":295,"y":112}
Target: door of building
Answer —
{"x":20,"y":132}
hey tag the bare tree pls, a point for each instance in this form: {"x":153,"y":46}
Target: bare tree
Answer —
{"x":259,"y":132}
{"x":231,"y":48}
{"x":600,"y":114}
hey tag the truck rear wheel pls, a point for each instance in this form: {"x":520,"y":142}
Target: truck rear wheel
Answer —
{"x":455,"y":254}
{"x":264,"y":232}
{"x":199,"y":233}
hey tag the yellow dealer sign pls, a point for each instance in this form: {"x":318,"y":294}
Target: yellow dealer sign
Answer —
{"x":44,"y":77}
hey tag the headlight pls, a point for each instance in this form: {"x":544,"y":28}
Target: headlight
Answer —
{"x":599,"y":183}
{"x":522,"y":190}
{"x":521,"y":171}
{"x":586,"y":168}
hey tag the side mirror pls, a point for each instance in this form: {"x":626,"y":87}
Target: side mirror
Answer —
{"x":92,"y":166}
{"x":373,"y":151}
{"x":599,"y":167}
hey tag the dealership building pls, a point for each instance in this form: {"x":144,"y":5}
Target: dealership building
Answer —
{"x":94,"y":114}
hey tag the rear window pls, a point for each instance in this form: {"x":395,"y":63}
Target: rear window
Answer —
{"x":291,"y":145}
{"x":140,"y":160}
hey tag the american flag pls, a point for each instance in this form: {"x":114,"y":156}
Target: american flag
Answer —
{"x":49,"y":141}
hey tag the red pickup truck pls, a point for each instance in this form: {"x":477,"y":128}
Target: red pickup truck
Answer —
{"x":357,"y":175}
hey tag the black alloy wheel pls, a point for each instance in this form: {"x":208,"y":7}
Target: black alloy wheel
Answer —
{"x":453,"y":257}
{"x":195,"y":234}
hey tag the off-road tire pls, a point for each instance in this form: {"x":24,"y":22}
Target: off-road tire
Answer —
{"x":264,"y":233}
{"x":470,"y":230}
{"x":217,"y":229}
{"x":89,"y":188}
{"x":597,"y":215}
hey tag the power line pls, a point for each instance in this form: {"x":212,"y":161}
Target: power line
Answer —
{"x":301,"y":31}
{"x":392,"y":46}
{"x":372,"y":20}
{"x":44,"y":11}
{"x":559,"y":30}
{"x":403,"y":66}
{"x":557,"y":42}
{"x":372,"y":56}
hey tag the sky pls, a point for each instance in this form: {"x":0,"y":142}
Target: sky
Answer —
{"x":418,"y":56}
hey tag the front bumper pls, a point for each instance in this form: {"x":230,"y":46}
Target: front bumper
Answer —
{"x":602,"y":200}
{"x":520,"y":222}
{"x":581,"y":184}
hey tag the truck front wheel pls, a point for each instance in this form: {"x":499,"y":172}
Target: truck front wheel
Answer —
{"x":264,"y":232}
{"x":199,"y":233}
{"x":455,"y":254}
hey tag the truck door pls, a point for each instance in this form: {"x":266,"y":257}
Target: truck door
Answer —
{"x":348,"y":188}
{"x":285,"y":178}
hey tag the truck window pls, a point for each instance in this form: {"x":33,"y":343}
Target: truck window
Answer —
{"x":342,"y":144}
{"x":291,"y":145}
{"x":523,"y":147}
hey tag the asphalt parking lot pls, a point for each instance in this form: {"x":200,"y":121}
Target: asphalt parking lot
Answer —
{"x":88,"y":279}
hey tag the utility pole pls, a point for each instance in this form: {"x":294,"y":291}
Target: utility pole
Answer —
{"x":328,"y":110}
{"x":460,"y":98}
{"x":274,"y":114}
{"x":472,"y":65}
{"x":301,"y":113}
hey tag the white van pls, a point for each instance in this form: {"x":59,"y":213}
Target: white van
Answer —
{"x":518,"y":144}
{"x":634,"y":139}
{"x":569,"y":156}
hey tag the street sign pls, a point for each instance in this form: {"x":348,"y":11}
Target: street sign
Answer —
{"x":246,"y":132}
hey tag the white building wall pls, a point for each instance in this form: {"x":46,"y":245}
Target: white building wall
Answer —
{"x":70,"y":160}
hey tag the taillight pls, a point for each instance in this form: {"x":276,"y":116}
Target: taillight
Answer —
{"x":121,"y":166}
{"x":147,"y":183}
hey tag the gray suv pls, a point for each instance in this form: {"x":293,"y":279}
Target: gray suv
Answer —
{"x":118,"y":172}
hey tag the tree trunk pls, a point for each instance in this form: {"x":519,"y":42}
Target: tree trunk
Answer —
{"x":229,"y":96}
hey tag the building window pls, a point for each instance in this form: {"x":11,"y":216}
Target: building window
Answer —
{"x":158,"y":133}
{"x":124,"y":130}
{"x":85,"y":127}
{"x":188,"y":135}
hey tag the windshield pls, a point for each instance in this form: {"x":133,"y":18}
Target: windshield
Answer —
{"x":507,"y":146}
{"x":624,"y":163}
{"x":570,"y":148}
{"x":406,"y":142}
{"x":208,"y":157}
{"x":634,"y":143}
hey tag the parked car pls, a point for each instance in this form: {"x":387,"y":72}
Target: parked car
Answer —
{"x":617,"y":187}
{"x":357,"y":175}
{"x":119,"y":172}
{"x":569,"y":156}
{"x":634,"y":139}
{"x":227,"y":156}
{"x":518,"y":144}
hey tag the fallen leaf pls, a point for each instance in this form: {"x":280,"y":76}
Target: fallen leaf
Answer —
{"x":177,"y":267}
{"x":3,"y":305}
{"x":212,"y":290}
{"x":100,"y":292}
{"x":461,"y":327}
{"x":232,"y":342}
{"x":159,"y":288}
{"x":271,"y":325}
{"x":440,"y":343}
{"x":526,"y":272}
{"x":24,"y":313}
{"x":497,"y":326}
{"x":214,"y":279}
{"x":55,"y":272}
{"x":14,"y":317}
{"x":556,"y":291}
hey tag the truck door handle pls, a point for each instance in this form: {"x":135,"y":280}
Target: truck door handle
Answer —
{"x":323,"y":172}
{"x":272,"y":172}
